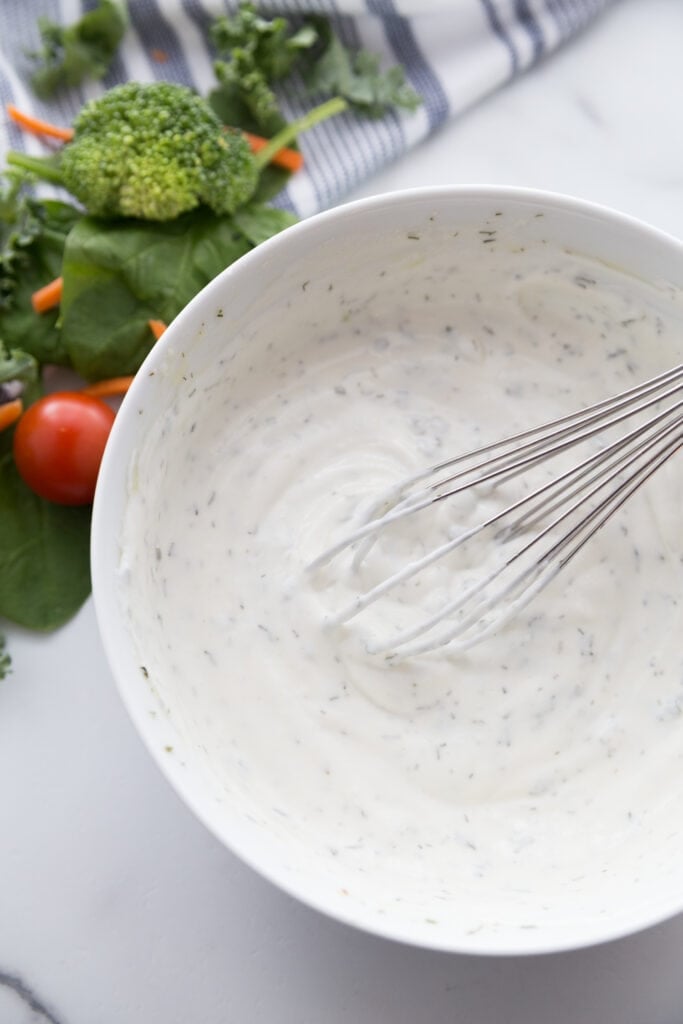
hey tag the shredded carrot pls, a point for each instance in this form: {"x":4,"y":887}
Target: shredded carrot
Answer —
{"x":48,"y":297}
{"x":10,"y":412}
{"x":108,"y":388}
{"x":157,"y":327}
{"x":37,"y":126}
{"x":159,"y":56}
{"x":289,"y":159}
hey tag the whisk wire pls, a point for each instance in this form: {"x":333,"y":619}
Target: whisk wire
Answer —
{"x":579,"y":495}
{"x":556,"y":428}
{"x":533,"y":578}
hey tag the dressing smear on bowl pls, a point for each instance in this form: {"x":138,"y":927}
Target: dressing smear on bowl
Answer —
{"x":528,"y":785}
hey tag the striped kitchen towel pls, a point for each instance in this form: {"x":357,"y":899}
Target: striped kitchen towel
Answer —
{"x":454,"y":53}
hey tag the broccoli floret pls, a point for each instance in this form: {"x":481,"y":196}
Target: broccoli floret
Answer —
{"x":151,"y":151}
{"x":155,"y":151}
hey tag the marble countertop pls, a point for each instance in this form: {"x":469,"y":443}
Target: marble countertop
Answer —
{"x":115,"y":904}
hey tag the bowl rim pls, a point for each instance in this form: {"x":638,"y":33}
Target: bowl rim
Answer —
{"x":108,"y":615}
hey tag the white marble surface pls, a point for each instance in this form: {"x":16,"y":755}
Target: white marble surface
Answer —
{"x":115,"y":904}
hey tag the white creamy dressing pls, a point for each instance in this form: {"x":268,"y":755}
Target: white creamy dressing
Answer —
{"x":554,"y":751}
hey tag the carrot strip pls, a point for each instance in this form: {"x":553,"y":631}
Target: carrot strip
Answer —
{"x":290,"y":159}
{"x":157,"y":327}
{"x":10,"y":412}
{"x":49,"y":296}
{"x":108,"y":388}
{"x":36,"y":126}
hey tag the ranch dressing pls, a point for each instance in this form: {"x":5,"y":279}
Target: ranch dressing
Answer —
{"x":545,"y":753}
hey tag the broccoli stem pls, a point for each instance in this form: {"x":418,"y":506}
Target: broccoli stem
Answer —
{"x":288,"y":134}
{"x":46,"y":168}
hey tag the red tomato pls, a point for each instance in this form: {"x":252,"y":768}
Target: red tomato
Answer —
{"x":58,"y":446}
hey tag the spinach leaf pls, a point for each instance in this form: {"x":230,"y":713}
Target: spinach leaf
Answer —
{"x":44,"y":553}
{"x":258,"y":223}
{"x":20,"y":326}
{"x":120,"y":274}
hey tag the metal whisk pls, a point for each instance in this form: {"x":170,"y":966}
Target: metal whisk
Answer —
{"x":534,"y":535}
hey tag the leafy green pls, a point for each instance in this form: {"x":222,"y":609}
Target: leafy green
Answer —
{"x":358,"y":79}
{"x":44,"y":553}
{"x":258,"y":223}
{"x":40,"y":262}
{"x":274,"y":47}
{"x":243,"y":96}
{"x":44,"y":548}
{"x":85,"y":49}
{"x":44,"y":567}
{"x":119,"y":275}
{"x":20,"y":224}
{"x":17,"y":365}
{"x":258,"y":52}
{"x":5,"y":660}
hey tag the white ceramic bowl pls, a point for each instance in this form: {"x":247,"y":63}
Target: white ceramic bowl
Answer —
{"x":541,"y":876}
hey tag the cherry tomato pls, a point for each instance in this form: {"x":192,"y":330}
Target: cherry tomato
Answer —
{"x":58,"y":446}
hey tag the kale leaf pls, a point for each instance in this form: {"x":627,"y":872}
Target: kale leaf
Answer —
{"x":72,"y":53}
{"x":257,"y":52}
{"x":19,"y":375}
{"x":33,"y":236}
{"x":358,"y":78}
{"x":274,"y":47}
{"x":21,"y":222}
{"x":17,"y":365}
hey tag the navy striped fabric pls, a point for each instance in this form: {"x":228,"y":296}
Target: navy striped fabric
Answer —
{"x":454,"y":53}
